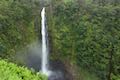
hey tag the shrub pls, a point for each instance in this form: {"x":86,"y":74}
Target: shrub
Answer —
{"x":10,"y":71}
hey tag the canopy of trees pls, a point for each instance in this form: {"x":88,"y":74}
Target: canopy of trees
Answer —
{"x":86,"y":33}
{"x":83,"y":33}
{"x":16,"y":25}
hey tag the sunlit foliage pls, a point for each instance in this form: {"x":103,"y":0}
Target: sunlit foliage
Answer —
{"x":10,"y":71}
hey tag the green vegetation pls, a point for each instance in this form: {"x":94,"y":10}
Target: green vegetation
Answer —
{"x":87,"y":35}
{"x":16,"y":32}
{"x":16,"y":26}
{"x":85,"y":75}
{"x":10,"y":71}
{"x":82,"y":33}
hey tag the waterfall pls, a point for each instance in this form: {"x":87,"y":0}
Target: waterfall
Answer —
{"x":44,"y":64}
{"x":57,"y":75}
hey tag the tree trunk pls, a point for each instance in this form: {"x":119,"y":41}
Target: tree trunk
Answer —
{"x":110,"y":62}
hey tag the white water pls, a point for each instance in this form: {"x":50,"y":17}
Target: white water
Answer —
{"x":44,"y":44}
{"x":45,"y":63}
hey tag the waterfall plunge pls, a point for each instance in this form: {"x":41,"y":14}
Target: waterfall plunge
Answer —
{"x":45,"y":63}
{"x":44,"y":44}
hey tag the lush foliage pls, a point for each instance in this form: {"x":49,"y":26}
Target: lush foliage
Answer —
{"x":87,"y":34}
{"x":84,"y":33}
{"x":16,"y":26}
{"x":10,"y":71}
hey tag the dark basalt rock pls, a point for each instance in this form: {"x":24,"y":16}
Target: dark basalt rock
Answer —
{"x":59,"y":71}
{"x":56,"y":76}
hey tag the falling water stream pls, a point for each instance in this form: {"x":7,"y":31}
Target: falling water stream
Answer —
{"x":45,"y":64}
{"x":37,"y":55}
{"x":52,"y":75}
